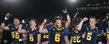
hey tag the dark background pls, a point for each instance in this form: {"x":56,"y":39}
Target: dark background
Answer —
{"x":43,"y":8}
{"x":34,"y":8}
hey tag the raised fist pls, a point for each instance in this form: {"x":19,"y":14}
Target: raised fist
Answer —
{"x":85,"y":19}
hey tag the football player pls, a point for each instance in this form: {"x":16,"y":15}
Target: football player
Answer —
{"x":16,"y":31}
{"x":33,"y":35}
{"x":76,"y":35}
{"x":44,"y":37}
{"x":57,"y":31}
{"x":91,"y":32}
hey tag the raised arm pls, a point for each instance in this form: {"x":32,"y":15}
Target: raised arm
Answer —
{"x":42,"y":29}
{"x":67,"y":24}
{"x":79,"y":26}
{"x":68,"y":18}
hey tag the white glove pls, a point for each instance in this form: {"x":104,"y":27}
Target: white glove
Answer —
{"x":65,"y":10}
{"x":6,"y":18}
{"x":45,"y":20}
{"x":23,"y":21}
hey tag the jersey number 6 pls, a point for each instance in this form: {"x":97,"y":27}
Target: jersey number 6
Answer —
{"x":57,"y":37}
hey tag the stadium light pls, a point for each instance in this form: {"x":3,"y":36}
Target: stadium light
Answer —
{"x":72,"y":1}
{"x":12,"y":3}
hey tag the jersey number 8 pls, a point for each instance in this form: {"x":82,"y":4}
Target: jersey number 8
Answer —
{"x":31,"y":37}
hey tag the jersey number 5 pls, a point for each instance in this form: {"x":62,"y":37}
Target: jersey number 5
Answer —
{"x":15,"y":35}
{"x":57,"y":37}
{"x":89,"y":36}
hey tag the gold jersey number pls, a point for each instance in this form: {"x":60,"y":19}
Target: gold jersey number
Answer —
{"x":57,"y":37}
{"x":15,"y":35}
{"x":31,"y":38}
{"x":89,"y":35}
{"x":76,"y":39}
{"x":45,"y":36}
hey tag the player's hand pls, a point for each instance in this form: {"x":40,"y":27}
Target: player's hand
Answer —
{"x":7,"y":14}
{"x":85,"y":19}
{"x":2,"y":25}
{"x":68,"y":16}
{"x":65,"y":11}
